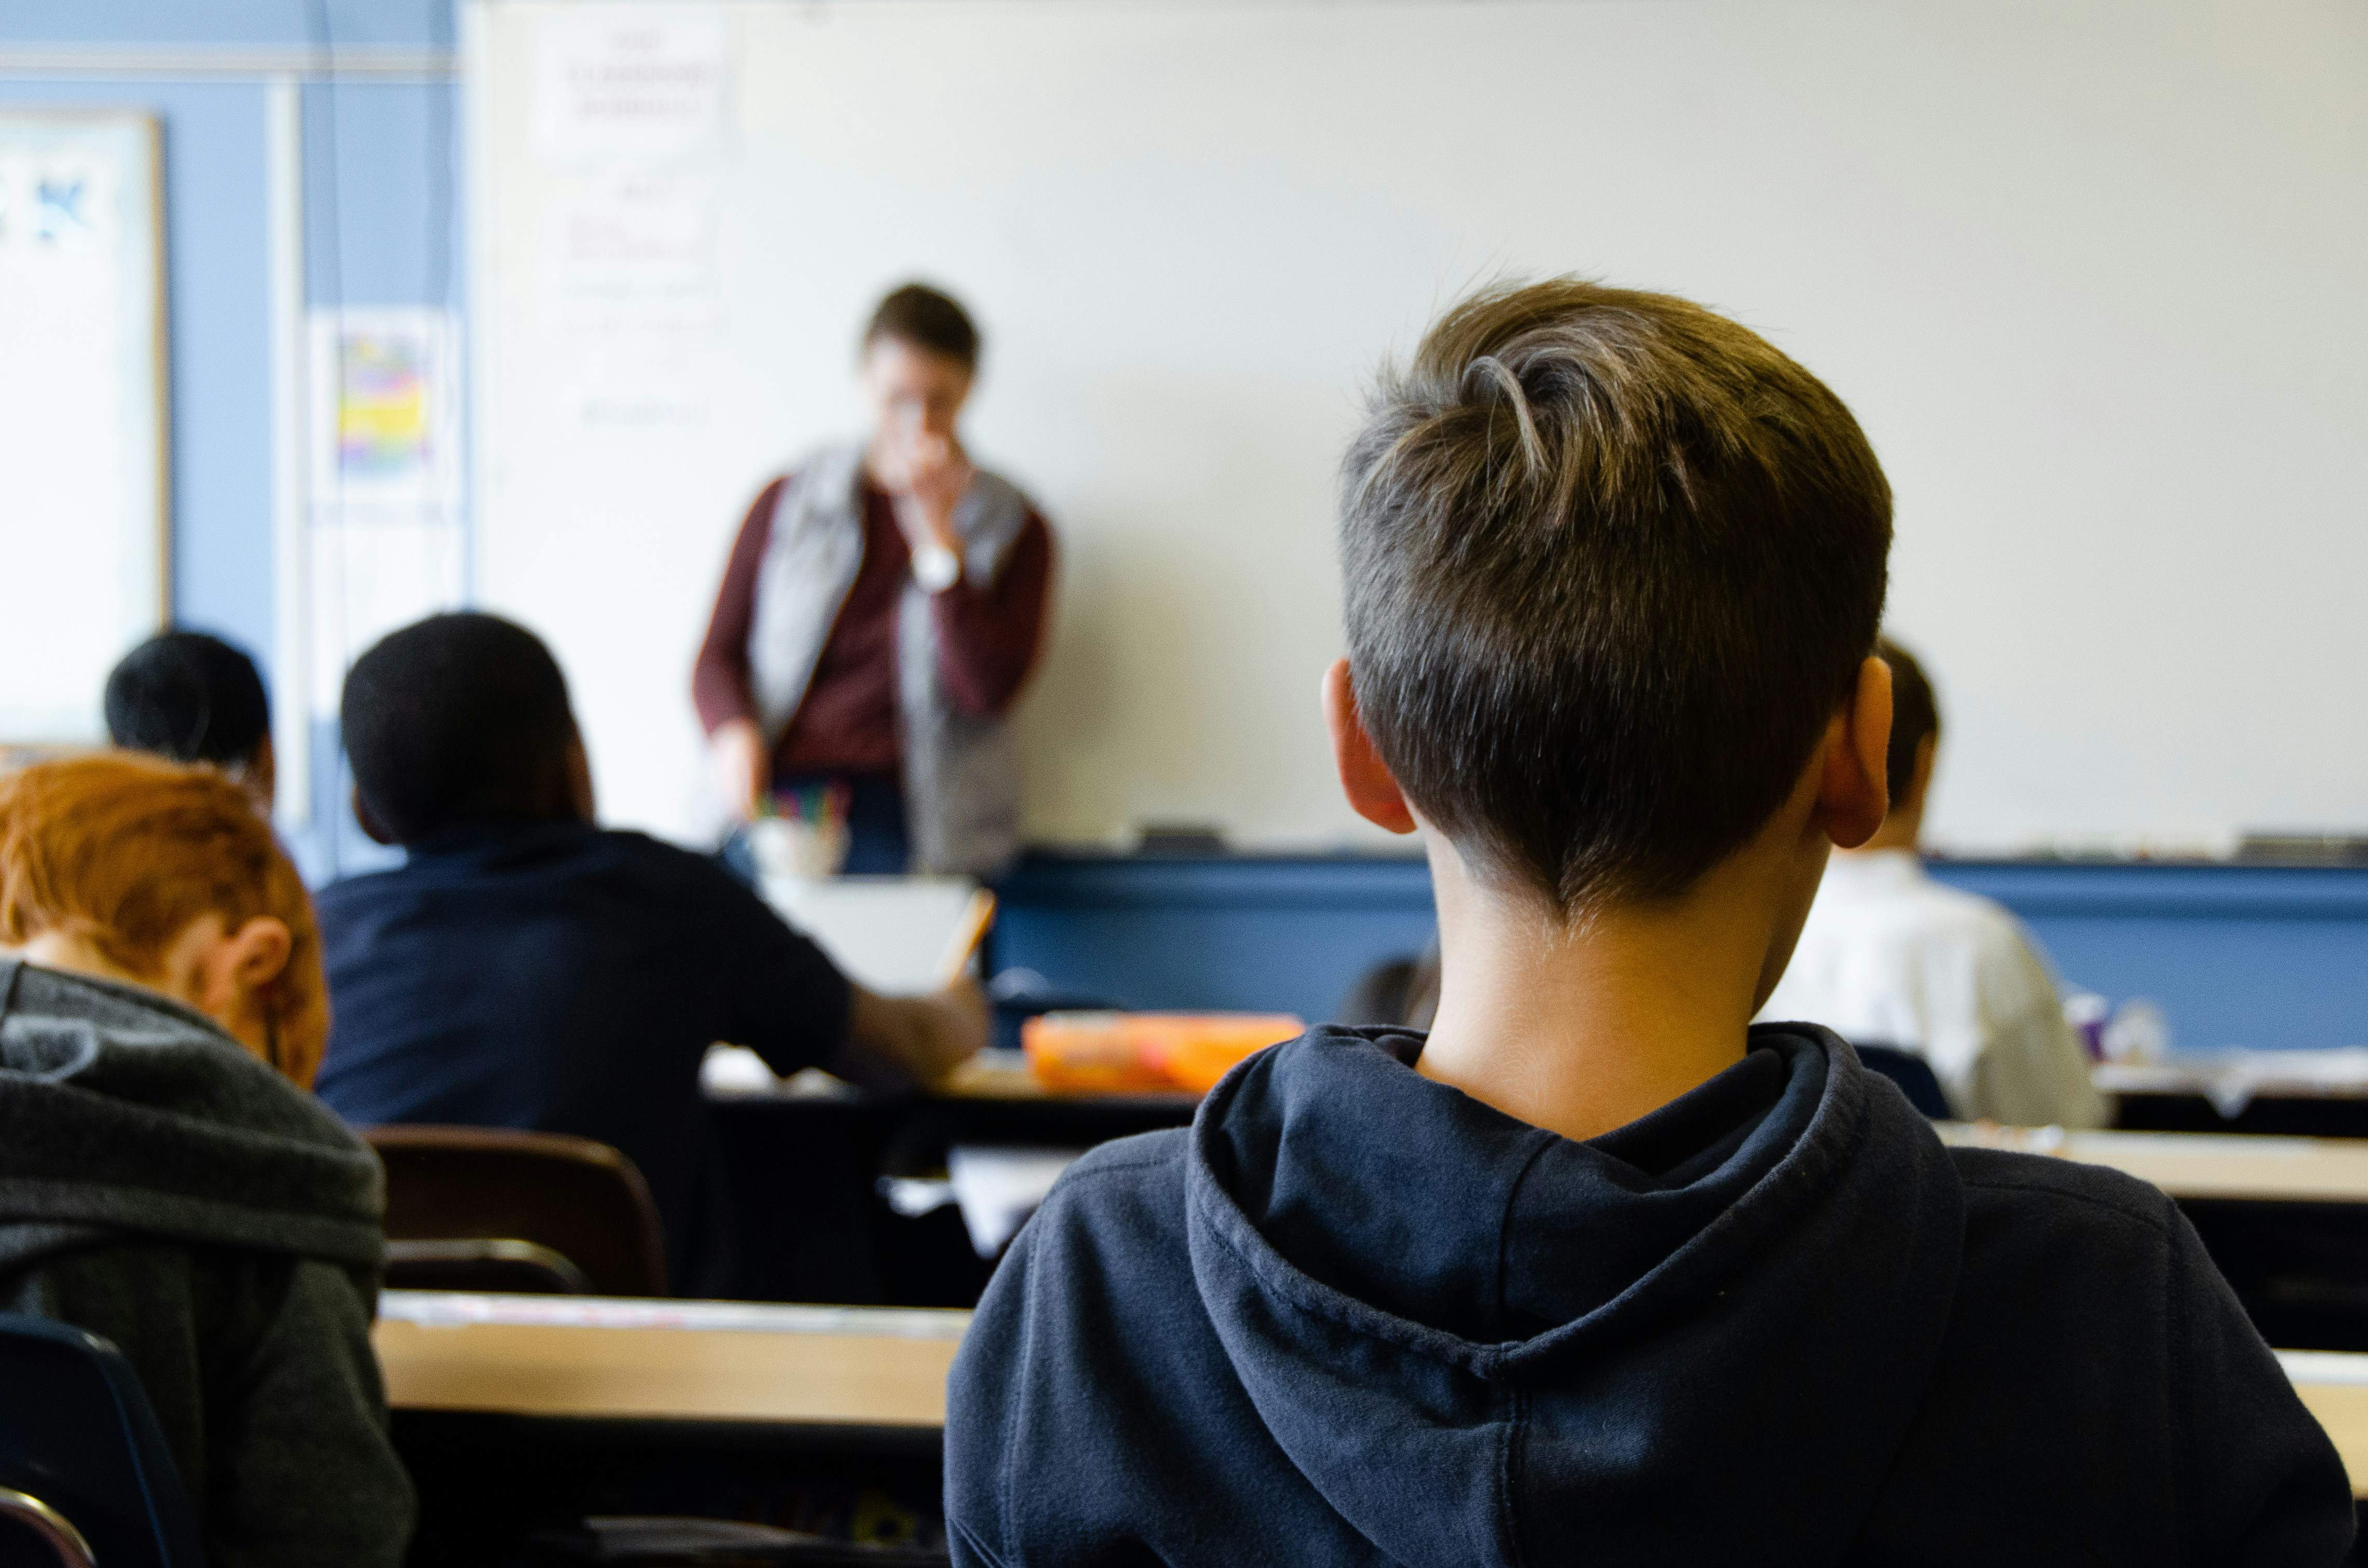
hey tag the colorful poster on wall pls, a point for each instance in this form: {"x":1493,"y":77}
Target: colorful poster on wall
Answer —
{"x":385,"y":547}
{"x":384,"y":428}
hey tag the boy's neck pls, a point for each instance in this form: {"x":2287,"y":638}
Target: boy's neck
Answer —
{"x":1581,"y":1026}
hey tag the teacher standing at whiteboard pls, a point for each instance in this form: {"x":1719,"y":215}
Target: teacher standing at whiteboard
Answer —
{"x":883,"y":605}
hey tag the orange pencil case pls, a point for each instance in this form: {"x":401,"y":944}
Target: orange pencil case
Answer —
{"x":1115,"y":1052}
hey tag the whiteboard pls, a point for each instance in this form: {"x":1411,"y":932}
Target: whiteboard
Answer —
{"x":84,"y":525}
{"x":2091,"y":277}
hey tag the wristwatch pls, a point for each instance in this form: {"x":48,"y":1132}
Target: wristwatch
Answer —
{"x":936,"y":568}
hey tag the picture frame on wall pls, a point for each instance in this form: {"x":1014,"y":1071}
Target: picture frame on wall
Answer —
{"x":85,"y":529}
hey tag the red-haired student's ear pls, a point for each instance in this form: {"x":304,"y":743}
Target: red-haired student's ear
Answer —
{"x":1853,"y":796}
{"x":1364,"y":777}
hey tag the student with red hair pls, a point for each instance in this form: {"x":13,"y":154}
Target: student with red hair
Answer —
{"x":165,"y":1181}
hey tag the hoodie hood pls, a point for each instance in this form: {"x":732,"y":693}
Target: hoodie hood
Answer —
{"x":1474,"y":1336}
{"x":122,"y":1111}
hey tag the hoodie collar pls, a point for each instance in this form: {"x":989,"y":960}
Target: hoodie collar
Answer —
{"x":1341,"y":1182}
{"x":1740,"y":1286}
{"x":1471,"y":1222}
{"x":122,"y":1111}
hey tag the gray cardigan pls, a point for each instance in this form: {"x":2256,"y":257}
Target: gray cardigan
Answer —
{"x":161,"y":1187}
{"x":962,"y":771}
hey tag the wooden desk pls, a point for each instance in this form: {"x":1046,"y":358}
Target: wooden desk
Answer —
{"x":589,"y":1359}
{"x":838,"y":1242}
{"x":2199,"y":1164}
{"x":2334,"y":1386}
{"x":523,"y":1413}
{"x":593,"y":1359}
{"x":997,"y":1076}
{"x":2307,"y":1094}
{"x":992,"y":1077}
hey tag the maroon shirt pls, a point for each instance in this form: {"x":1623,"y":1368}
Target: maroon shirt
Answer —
{"x":987,"y":638}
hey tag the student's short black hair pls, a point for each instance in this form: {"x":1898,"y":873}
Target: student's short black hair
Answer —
{"x":454,"y":720}
{"x":1611,"y":564}
{"x":926,"y":318}
{"x":1914,"y":716}
{"x":190,"y":697}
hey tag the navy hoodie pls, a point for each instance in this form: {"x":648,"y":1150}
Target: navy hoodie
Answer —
{"x":1355,"y":1316}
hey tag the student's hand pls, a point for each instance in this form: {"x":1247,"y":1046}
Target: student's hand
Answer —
{"x":924,"y":1037}
{"x":740,"y":765}
{"x":972,"y":1016}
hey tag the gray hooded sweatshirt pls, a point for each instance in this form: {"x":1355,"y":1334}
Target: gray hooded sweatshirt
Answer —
{"x":165,"y":1189}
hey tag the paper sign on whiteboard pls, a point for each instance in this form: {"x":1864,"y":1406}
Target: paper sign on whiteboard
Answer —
{"x":633,"y":252}
{"x":630,"y":82}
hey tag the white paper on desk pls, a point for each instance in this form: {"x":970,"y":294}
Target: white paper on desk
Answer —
{"x":2233,"y":1079}
{"x":890,"y":934}
{"x":997,"y":1188}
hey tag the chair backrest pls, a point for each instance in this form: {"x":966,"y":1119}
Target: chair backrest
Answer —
{"x":535,"y":1194}
{"x":82,"y":1454}
{"x":1912,"y":1074}
{"x":498,"y":1264}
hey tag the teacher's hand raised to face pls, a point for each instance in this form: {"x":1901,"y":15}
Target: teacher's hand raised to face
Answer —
{"x":933,"y":476}
{"x":914,"y":456}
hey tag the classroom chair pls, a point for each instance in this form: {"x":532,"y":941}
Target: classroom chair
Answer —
{"x":85,"y":1475}
{"x":486,"y":1209}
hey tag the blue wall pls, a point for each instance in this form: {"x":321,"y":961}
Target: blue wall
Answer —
{"x":2254,"y":956}
{"x":221,"y":334}
{"x":2269,"y":956}
{"x":1236,"y":934}
{"x":382,"y":228}
{"x":228,"y":23}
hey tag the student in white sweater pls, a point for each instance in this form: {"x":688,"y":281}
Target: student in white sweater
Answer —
{"x":1891,"y":957}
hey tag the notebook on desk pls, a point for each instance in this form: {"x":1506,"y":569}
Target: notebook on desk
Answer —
{"x":890,"y":934}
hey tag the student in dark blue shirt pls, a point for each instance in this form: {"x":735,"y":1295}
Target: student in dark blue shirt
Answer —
{"x":525,"y":968}
{"x":1598,"y":1271}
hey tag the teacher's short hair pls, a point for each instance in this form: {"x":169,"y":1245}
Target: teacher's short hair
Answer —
{"x":454,"y":721}
{"x":929,"y":319}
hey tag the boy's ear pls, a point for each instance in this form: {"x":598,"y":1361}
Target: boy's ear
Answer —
{"x":259,"y":950}
{"x":1364,"y":777}
{"x":1853,"y":796}
{"x":240,"y":963}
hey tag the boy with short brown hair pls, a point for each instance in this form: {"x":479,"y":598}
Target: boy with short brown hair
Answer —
{"x":1597,"y":1271}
